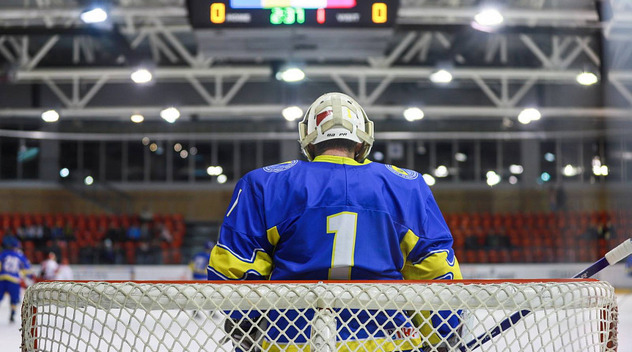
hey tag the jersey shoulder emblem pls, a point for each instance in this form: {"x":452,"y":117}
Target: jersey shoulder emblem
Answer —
{"x":403,"y":173}
{"x":280,"y":167}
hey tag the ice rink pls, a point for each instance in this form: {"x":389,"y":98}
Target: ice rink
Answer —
{"x":10,"y":333}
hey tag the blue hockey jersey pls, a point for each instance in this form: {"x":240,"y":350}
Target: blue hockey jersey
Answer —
{"x":13,"y":265}
{"x":333,"y":218}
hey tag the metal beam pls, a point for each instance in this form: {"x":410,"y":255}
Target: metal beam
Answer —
{"x":291,"y":136}
{"x":273,"y":111}
{"x":312,"y":72}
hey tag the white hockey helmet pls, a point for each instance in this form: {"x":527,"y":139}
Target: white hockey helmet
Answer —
{"x":336,"y":116}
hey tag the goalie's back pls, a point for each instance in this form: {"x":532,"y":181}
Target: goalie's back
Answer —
{"x":332,"y":218}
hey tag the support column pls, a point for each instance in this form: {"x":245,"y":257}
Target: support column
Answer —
{"x":49,"y":156}
{"x":530,"y":158}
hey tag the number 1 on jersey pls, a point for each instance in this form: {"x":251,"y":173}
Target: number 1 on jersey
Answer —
{"x":343,"y":225}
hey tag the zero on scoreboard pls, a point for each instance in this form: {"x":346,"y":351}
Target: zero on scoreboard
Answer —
{"x":292,"y":13}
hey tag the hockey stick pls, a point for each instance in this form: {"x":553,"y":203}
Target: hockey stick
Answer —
{"x":612,"y":257}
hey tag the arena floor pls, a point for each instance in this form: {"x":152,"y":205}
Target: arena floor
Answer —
{"x":10,"y":333}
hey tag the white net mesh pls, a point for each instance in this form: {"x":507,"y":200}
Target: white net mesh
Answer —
{"x":568,"y":315}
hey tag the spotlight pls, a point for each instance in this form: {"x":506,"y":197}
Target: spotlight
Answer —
{"x":489,"y":18}
{"x":50,"y":116}
{"x":95,"y":15}
{"x":222,"y":179}
{"x":141,"y":76}
{"x":170,"y":114}
{"x":64,"y":172}
{"x":529,"y":114}
{"x":441,"y":171}
{"x":88,"y":180}
{"x":291,"y":74}
{"x":292,"y":113}
{"x":587,"y":78}
{"x":137,"y":118}
{"x":214,"y":170}
{"x":516,"y":169}
{"x":412,"y":114}
{"x":441,"y":76}
{"x":430,"y":181}
{"x":492,"y":178}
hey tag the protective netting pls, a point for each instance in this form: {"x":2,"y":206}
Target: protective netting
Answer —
{"x":568,"y":315}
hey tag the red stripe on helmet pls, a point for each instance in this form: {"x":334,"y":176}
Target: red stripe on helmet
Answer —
{"x":320,"y":117}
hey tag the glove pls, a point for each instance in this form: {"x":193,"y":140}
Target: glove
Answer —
{"x":245,"y":333}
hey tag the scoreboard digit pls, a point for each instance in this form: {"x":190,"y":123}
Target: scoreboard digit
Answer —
{"x":218,"y":13}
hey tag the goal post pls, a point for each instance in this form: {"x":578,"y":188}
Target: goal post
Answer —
{"x":566,"y":315}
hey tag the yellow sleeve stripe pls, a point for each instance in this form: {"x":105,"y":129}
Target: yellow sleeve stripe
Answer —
{"x":234,"y":268}
{"x":408,"y":243}
{"x":273,"y":236}
{"x":433,"y":266}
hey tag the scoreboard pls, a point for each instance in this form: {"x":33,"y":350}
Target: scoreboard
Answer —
{"x":292,"y":13}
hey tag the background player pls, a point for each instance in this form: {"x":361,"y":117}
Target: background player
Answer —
{"x":49,"y":267}
{"x":338,"y":217}
{"x":64,"y":272}
{"x":199,"y":262}
{"x":13,"y":266}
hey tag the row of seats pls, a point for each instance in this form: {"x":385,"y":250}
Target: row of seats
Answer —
{"x":540,"y":220}
{"x":83,"y":236}
{"x":565,"y":236}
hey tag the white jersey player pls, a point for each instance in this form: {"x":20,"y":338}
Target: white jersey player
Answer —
{"x":49,"y":267}
{"x":64,"y":272}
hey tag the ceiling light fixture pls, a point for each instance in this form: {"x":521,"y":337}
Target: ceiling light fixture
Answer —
{"x":50,"y":116}
{"x":413,"y":114}
{"x":142,"y":75}
{"x":291,"y":74}
{"x":441,"y":76}
{"x":292,"y":113}
{"x":95,"y":15}
{"x":170,"y":114}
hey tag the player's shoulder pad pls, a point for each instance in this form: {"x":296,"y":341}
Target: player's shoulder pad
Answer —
{"x":401,"y":172}
{"x":276,"y":168}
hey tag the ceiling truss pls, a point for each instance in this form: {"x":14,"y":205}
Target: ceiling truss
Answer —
{"x":160,"y":30}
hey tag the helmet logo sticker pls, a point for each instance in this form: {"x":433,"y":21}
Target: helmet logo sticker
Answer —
{"x":280,"y":167}
{"x":403,"y":173}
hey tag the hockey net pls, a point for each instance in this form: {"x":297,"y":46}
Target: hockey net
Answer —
{"x":564,"y":315}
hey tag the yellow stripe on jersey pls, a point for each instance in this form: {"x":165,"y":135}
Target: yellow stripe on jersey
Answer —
{"x":433,"y":266}
{"x":408,"y":243}
{"x":234,"y":268}
{"x":380,"y":344}
{"x":9,"y":278}
{"x":339,"y":160}
{"x":273,"y":236}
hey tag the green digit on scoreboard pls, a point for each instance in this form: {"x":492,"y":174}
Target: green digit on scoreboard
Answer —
{"x":276,"y":15}
{"x":300,"y":15}
{"x":287,"y":15}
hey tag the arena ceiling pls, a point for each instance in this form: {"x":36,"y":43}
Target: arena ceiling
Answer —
{"x":50,"y":59}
